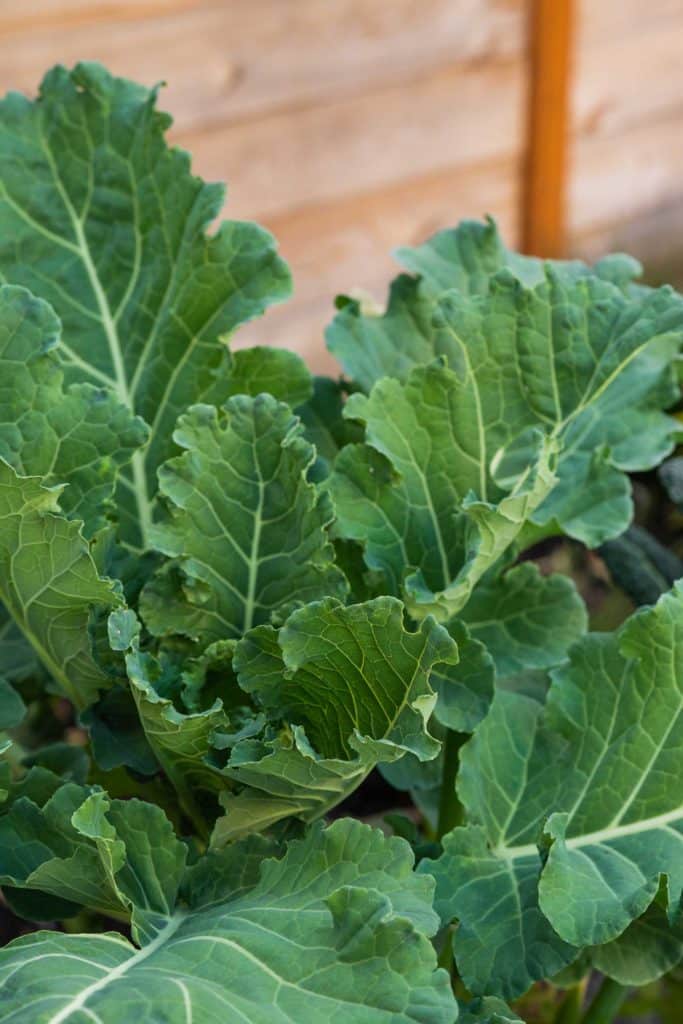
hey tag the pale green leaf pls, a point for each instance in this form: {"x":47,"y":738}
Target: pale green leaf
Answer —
{"x":421,"y":494}
{"x":80,"y":435}
{"x":326,"y":933}
{"x":107,"y":223}
{"x":592,"y":366}
{"x":247,"y":530}
{"x":619,"y":703}
{"x":600,"y":768}
{"x":48,"y":582}
{"x":525,"y":620}
{"x":352,"y":684}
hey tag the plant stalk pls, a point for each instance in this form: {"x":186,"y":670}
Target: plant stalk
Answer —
{"x":569,"y":1010}
{"x":450,"y":808}
{"x":606,"y":1004}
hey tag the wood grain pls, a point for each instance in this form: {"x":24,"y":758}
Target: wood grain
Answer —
{"x":346,"y":245}
{"x":454,"y":118}
{"x":623,"y":82}
{"x":235,"y":60}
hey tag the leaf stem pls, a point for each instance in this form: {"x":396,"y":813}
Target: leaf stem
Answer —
{"x":450,"y":808}
{"x":606,"y":1003}
{"x":569,"y":1010}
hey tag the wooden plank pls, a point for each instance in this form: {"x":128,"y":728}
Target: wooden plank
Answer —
{"x":230,"y":61}
{"x":652,"y":235}
{"x":455,"y":118}
{"x":32,"y":15}
{"x":609,"y":97}
{"x":347,"y":244}
{"x":620,"y":177}
{"x":604,"y":21}
{"x":551,"y":34}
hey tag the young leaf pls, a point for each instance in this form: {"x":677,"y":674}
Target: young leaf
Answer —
{"x":601,"y":769}
{"x":353,"y":684}
{"x":328,"y":931}
{"x":48,"y":583}
{"x":579,"y":344}
{"x":115,"y":856}
{"x":247,"y":529}
{"x":420,"y":494}
{"x":466,"y":258}
{"x":80,"y":435}
{"x":107,"y":223}
{"x":525,"y":620}
{"x":487,"y":876}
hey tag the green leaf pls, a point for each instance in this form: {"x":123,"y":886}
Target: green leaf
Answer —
{"x":80,"y":435}
{"x":18,"y":661}
{"x":12,"y":707}
{"x":421,"y":495}
{"x":107,"y":223}
{"x":487,"y":876}
{"x":48,"y":582}
{"x":487,"y":1011}
{"x":276,"y":371}
{"x":671,"y":475}
{"x":584,"y":351}
{"x":525,"y":620}
{"x":324,"y":424}
{"x":116,"y":856}
{"x":575,"y":344}
{"x":467,"y":256}
{"x":327,"y":932}
{"x":352,"y":684}
{"x":642,"y":567}
{"x":647,"y":950}
{"x":600,"y":769}
{"x":180,"y":741}
{"x":619,"y":703}
{"x":247,"y":529}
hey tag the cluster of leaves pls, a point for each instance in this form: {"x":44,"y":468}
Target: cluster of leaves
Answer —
{"x":249,"y":588}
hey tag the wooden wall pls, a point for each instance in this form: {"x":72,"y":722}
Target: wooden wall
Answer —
{"x":351,"y":126}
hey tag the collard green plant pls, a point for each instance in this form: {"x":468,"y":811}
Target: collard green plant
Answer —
{"x":236,"y":601}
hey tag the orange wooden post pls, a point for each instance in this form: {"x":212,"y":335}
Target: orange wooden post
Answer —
{"x":545,"y":174}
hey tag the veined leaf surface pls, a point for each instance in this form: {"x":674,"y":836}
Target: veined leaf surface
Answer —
{"x":352,"y":684}
{"x":421,"y":494}
{"x":591,"y":362}
{"x":103,"y":220}
{"x":329,"y":932}
{"x":48,"y":582}
{"x":247,"y":529}
{"x":600,"y":770}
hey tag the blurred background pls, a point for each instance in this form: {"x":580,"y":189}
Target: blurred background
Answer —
{"x":349,"y":127}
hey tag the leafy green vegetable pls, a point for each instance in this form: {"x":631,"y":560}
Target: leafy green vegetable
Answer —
{"x":330,"y":930}
{"x":231,"y":591}
{"x":246,"y":529}
{"x":597,"y":775}
{"x":409,"y":493}
{"x":49,"y":582}
{"x":100,"y":218}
